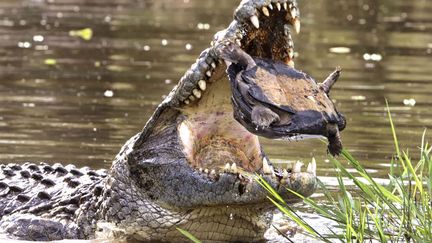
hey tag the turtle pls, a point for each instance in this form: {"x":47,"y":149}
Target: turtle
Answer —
{"x":274,"y":100}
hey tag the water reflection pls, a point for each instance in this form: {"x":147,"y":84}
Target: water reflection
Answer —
{"x":65,"y":99}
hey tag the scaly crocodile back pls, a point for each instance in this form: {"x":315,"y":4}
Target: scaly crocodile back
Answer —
{"x":60,"y":200}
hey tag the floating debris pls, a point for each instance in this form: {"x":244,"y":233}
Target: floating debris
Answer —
{"x":50,"y":62}
{"x":358,"y":97}
{"x":203,"y":26}
{"x":38,"y":38}
{"x":372,"y":57}
{"x":340,"y":50}
{"x":85,"y":34}
{"x":24,"y":44}
{"x":109,"y":93}
{"x":409,"y":102}
{"x":188,"y":47}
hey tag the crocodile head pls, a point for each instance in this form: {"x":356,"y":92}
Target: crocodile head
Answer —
{"x":195,"y":163}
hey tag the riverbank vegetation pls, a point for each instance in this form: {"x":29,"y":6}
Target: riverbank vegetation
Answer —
{"x":399,"y":210}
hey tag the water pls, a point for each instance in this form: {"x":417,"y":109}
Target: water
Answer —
{"x":65,"y":99}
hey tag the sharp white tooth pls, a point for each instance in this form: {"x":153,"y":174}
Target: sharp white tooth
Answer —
{"x":284,"y":174}
{"x":209,"y":74}
{"x":290,"y":43}
{"x":285,"y":5}
{"x":291,"y":53}
{"x":255,"y":21}
{"x":234,"y":168}
{"x":296,"y":24}
{"x":186,"y":102}
{"x":278,"y":6}
{"x":293,"y":12}
{"x":309,"y":168}
{"x":212,"y":172}
{"x":297,"y":167}
{"x":202,"y":85}
{"x":227,"y":167}
{"x":213,"y":65}
{"x":265,"y":11}
{"x":290,"y":63}
{"x":266,"y":167}
{"x":192,"y":98}
{"x":314,"y":166}
{"x":238,"y":42}
{"x":206,"y":171}
{"x":270,"y":6}
{"x":197,"y":93}
{"x":200,"y":169}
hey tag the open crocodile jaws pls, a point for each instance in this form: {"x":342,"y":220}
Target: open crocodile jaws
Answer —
{"x":194,"y":164}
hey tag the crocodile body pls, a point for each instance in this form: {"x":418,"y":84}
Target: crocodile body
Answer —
{"x":49,"y":202}
{"x":194,"y":164}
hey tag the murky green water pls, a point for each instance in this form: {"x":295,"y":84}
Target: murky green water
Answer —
{"x":100,"y":92}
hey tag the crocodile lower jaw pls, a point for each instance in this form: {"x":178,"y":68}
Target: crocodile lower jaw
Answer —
{"x":214,"y":143}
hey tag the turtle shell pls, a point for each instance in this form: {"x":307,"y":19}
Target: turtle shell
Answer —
{"x":302,"y":106}
{"x":280,"y":86}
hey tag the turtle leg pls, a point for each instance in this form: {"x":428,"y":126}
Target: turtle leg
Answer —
{"x":263,"y":116}
{"x":233,"y":53}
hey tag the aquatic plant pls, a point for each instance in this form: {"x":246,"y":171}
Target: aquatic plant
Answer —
{"x":399,"y":211}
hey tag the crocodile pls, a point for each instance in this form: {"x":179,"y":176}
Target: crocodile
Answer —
{"x":195,"y":163}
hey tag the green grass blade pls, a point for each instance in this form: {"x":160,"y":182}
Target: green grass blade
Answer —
{"x":395,"y":139}
{"x":189,"y":235}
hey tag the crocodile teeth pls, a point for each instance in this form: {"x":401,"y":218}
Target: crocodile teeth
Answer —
{"x":266,"y":167}
{"x":297,"y":167}
{"x":265,"y":11}
{"x":186,"y":102}
{"x":238,"y":42}
{"x":197,"y":93}
{"x":293,"y":12}
{"x":278,"y":5}
{"x":255,"y":21}
{"x":285,"y":5}
{"x":284,"y":174}
{"x":312,"y":167}
{"x":291,"y":53}
{"x":290,"y":63}
{"x":209,"y":74}
{"x":192,"y":98}
{"x":234,"y":168}
{"x":296,"y":24}
{"x":270,"y":6}
{"x":206,"y":171}
{"x":227,"y":167}
{"x":290,"y":42}
{"x":202,"y":85}
{"x":213,"y":65}
{"x":213,"y":173}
